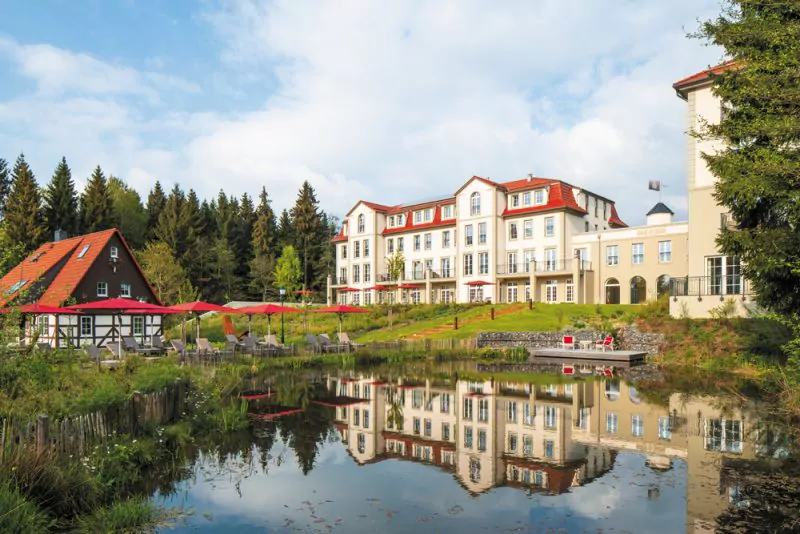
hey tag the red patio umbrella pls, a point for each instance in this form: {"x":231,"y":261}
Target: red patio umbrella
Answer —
{"x":410,"y":286}
{"x":266,"y":309}
{"x":347,"y":289}
{"x":340,"y":310}
{"x":196,"y":308}
{"x":479,"y":283}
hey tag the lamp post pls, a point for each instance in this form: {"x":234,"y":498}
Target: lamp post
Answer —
{"x":283,"y":294}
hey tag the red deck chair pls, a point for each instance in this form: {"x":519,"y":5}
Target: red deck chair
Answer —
{"x":568,"y":342}
{"x":567,"y":369}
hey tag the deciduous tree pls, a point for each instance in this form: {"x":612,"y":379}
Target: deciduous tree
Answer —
{"x":129,"y":212}
{"x":288,"y":270}
{"x":166,"y":274}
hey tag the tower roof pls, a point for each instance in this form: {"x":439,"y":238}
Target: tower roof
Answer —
{"x":660,"y":208}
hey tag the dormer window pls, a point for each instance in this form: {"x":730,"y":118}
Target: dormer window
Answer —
{"x":400,"y":220}
{"x":83,"y":251}
{"x":114,"y":253}
{"x":538,"y":196}
{"x":526,"y":198}
{"x":417,"y":217}
{"x":16,"y":287}
{"x":514,"y":201}
{"x":36,"y":257}
{"x":391,"y":221}
{"x":428,"y":214}
{"x":448,"y":212}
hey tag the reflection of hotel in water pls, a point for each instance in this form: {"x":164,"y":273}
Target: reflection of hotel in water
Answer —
{"x":540,"y":438}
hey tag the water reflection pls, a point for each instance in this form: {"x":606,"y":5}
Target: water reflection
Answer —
{"x":711,"y":462}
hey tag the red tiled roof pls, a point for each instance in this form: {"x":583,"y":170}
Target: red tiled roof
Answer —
{"x":559,"y":197}
{"x":70,"y":274}
{"x":371,"y":205}
{"x":340,"y":237}
{"x":559,"y":478}
{"x":705,"y":74}
{"x":614,"y":221}
{"x":436,"y":221}
{"x":527,"y":183}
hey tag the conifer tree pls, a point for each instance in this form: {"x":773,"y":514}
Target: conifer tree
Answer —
{"x":61,"y":201}
{"x":195,"y":240}
{"x":97,"y":210}
{"x":156,"y":201}
{"x":5,"y":186}
{"x":171,"y":227}
{"x":243,"y":242}
{"x":23,"y":219}
{"x":285,"y":232}
{"x":262,"y":265}
{"x":307,"y":225}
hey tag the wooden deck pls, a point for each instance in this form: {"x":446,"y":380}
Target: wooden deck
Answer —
{"x":617,"y":358}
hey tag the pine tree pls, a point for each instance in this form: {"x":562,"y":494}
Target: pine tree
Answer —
{"x":192,"y":218}
{"x":285,"y":231}
{"x":156,"y":201}
{"x":23,"y":219}
{"x":327,"y":259}
{"x":243,"y":243}
{"x":5,"y":186}
{"x":61,"y":201}
{"x":171,"y":227}
{"x":129,"y":213}
{"x":262,"y":265}
{"x":306,"y":224}
{"x":97,"y":210}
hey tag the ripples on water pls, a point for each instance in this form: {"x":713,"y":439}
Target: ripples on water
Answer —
{"x":374,"y":452}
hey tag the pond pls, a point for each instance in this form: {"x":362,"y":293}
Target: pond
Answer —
{"x":384,"y":451}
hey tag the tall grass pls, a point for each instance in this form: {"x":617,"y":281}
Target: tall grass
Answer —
{"x":19,"y":515}
{"x":131,"y":516}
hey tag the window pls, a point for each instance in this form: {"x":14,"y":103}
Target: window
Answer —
{"x":612,"y":255}
{"x":417,"y":425}
{"x":612,"y":291}
{"x":83,"y":251}
{"x":664,"y":428}
{"x":367,"y":294}
{"x":390,"y":246}
{"x":391,"y":221}
{"x":483,"y":263}
{"x":528,"y":413}
{"x":583,"y":418}
{"x":42,"y":324}
{"x":527,"y":259}
{"x":468,"y":409}
{"x":512,"y":263}
{"x":361,"y":224}
{"x":400,"y":219}
{"x":483,"y":410}
{"x":724,"y":275}
{"x":550,"y":415}
{"x":444,"y":403}
{"x":549,"y":451}
{"x":357,"y":249}
{"x":428,"y":427}
{"x":512,"y":443}
{"x":417,"y":242}
{"x":366,"y":248}
{"x":586,"y":226}
{"x":16,"y":286}
{"x":448,"y":212}
{"x":428,"y":214}
{"x":362,"y":443}
{"x":367,"y":273}
{"x":125,"y":290}
{"x":102,"y":289}
{"x":428,"y":241}
{"x":114,"y":253}
{"x":344,"y":251}
{"x":400,"y":244}
{"x":513,"y":231}
{"x":475,"y":204}
{"x":356,"y":273}
{"x":637,"y":253}
{"x":570,"y":296}
{"x":481,"y":440}
{"x":723,"y":435}
{"x":417,"y":217}
{"x":445,"y":432}
{"x":445,"y":264}
{"x":538,"y":196}
{"x":664,"y":251}
{"x":416,"y":269}
{"x":468,"y":437}
{"x":86,"y":326}
{"x":596,"y":207}
{"x":549,"y":226}
{"x":514,"y":201}
{"x":605,"y":211}
{"x":511,"y":412}
{"x":446,"y":239}
{"x":468,"y":235}
{"x":527,"y":445}
{"x":467,"y":264}
{"x":637,"y":425}
{"x":481,"y":233}
{"x":527,"y":291}
{"x":526,"y":198}
{"x":528,"y":228}
{"x":138,"y":326}
{"x":611,"y":423}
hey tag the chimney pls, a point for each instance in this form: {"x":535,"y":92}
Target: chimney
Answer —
{"x":530,"y":177}
{"x":60,"y":235}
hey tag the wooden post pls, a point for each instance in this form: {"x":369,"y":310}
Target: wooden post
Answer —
{"x":455,"y":322}
{"x":492,"y":311}
{"x":530,"y":304}
{"x":42,"y":434}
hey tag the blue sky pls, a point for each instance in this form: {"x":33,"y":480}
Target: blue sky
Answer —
{"x":389,"y":102}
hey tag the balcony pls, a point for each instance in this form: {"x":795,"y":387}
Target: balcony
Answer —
{"x":339,"y":281}
{"x":514,"y":269}
{"x":711,"y":286}
{"x":443,"y":274}
{"x":561,"y":266}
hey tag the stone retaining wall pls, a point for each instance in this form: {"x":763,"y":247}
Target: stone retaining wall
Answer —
{"x":629,"y":339}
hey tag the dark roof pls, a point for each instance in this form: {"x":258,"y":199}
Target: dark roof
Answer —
{"x":660,"y":208}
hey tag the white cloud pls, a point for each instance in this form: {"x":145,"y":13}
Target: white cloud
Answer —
{"x":400,"y":101}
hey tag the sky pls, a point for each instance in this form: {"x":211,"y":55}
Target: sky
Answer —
{"x":384,"y":101}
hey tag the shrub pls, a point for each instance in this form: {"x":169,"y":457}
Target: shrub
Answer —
{"x":724,"y":311}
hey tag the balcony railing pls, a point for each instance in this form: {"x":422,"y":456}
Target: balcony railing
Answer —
{"x":514,"y":268}
{"x":340,"y":280}
{"x":443,"y":273}
{"x":701,"y":286}
{"x":562,"y":265}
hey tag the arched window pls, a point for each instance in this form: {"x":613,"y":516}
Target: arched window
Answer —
{"x":662,"y":285}
{"x":361,"y":224}
{"x":638,"y":290}
{"x":475,"y":203}
{"x":612,"y":291}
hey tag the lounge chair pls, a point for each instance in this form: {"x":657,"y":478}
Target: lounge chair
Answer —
{"x":96,"y":356}
{"x":130,"y":344}
{"x":157,"y":342}
{"x":205,"y":348}
{"x":233,"y":343}
{"x":344,"y":339}
{"x":116,"y":349}
{"x":606,"y":344}
{"x":314,"y":343}
{"x":330,"y":346}
{"x":568,"y":342}
{"x":271,"y":344}
{"x":251,"y":344}
{"x":178,"y":347}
